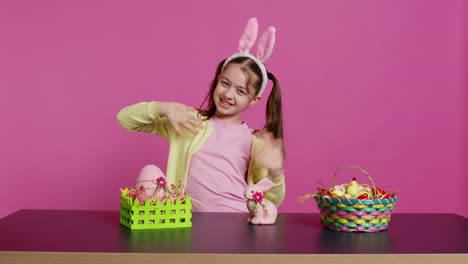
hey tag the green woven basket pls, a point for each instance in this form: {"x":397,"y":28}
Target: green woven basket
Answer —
{"x":147,"y":216}
{"x":355,"y":215}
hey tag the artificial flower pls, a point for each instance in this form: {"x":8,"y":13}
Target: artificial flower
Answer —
{"x":257,"y":197}
{"x":124,"y":191}
{"x":161,"y":182}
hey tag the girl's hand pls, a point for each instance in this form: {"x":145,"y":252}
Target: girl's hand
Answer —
{"x":179,"y":115}
{"x":270,"y":155}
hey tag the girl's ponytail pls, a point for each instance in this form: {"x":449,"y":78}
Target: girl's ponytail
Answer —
{"x":274,"y":115}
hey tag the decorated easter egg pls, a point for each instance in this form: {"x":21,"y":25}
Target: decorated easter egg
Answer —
{"x":148,"y":178}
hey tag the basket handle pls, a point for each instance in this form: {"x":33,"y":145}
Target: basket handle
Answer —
{"x":356,"y":167}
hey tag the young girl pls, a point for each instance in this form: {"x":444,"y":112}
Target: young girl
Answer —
{"x":212,"y":152}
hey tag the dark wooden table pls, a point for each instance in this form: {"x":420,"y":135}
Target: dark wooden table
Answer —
{"x":53,"y":236}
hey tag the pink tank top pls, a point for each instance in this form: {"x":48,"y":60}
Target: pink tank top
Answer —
{"x":217,"y":172}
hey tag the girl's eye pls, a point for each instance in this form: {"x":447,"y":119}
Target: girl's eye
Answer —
{"x":225,"y":84}
{"x":241,"y":92}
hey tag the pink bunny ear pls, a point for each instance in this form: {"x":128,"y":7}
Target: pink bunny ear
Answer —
{"x":265,"y":44}
{"x":264,"y":184}
{"x":249,"y":35}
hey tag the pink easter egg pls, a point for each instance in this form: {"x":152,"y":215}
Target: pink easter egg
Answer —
{"x":147,"y":178}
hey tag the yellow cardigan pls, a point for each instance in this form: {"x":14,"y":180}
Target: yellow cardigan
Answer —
{"x":144,"y":117}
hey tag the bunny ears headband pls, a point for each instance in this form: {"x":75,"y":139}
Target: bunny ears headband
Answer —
{"x":264,"y":47}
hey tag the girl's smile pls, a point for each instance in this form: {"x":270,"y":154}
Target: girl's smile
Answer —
{"x":225,"y":104}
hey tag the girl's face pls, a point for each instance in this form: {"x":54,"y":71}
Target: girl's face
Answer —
{"x":232,"y":94}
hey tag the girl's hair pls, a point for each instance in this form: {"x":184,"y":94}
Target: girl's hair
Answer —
{"x":274,"y":116}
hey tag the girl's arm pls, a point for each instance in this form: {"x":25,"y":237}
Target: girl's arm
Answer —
{"x":267,"y":159}
{"x":159,"y":118}
{"x":277,"y":192}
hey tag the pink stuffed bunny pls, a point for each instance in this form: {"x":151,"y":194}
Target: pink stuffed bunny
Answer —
{"x":262,"y":211}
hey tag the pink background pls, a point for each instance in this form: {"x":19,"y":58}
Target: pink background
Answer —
{"x":379,"y":84}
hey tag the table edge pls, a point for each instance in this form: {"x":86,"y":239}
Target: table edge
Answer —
{"x":169,"y":258}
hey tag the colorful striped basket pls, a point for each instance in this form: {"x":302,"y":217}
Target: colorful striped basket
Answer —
{"x":355,"y":215}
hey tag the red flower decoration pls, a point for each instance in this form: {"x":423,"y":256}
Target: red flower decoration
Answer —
{"x":257,"y":197}
{"x":161,"y":182}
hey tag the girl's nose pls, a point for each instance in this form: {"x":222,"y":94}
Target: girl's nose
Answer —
{"x":229,"y":92}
